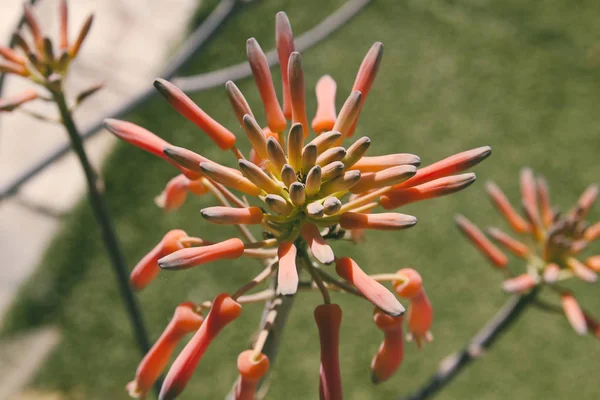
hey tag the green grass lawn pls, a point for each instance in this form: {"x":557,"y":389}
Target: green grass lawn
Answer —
{"x":522,"y":77}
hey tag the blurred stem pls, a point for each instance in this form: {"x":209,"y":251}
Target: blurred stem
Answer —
{"x":452,"y":365}
{"x":104,"y":221}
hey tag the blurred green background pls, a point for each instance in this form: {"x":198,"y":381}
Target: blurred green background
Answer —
{"x":522,"y":77}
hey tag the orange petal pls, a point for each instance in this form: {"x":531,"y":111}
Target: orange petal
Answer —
{"x":251,"y":372}
{"x":545,"y":206}
{"x":519,"y":284}
{"x":514,"y":246}
{"x":284,"y":41}
{"x":230,"y":215}
{"x":63,"y":43}
{"x":381,"y":221}
{"x":551,"y":273}
{"x":174,"y":194}
{"x":325,"y":116}
{"x":34,"y":26}
{"x":391,"y":352}
{"x":191,"y":257}
{"x":264,"y":83}
{"x":410,"y":288}
{"x":297,"y":91}
{"x":83,"y":32}
{"x":190,"y":110}
{"x":497,"y":257}
{"x":12,"y":56}
{"x":501,"y":202}
{"x":581,"y":271}
{"x":587,"y":200}
{"x":420,"y":318}
{"x":329,"y":319}
{"x":147,"y":268}
{"x":528,"y":190}
{"x":224,"y":310}
{"x":374,"y":291}
{"x":592,"y":233}
{"x":593,"y":263}
{"x":574,"y":314}
{"x":387,"y":177}
{"x":319,"y":247}
{"x":287,"y":275}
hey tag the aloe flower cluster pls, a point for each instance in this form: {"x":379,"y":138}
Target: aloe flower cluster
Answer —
{"x":550,"y":244}
{"x":42,"y":60}
{"x":302,"y":189}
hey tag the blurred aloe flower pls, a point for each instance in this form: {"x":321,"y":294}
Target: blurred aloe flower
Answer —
{"x":302,"y":191}
{"x":550,"y":245}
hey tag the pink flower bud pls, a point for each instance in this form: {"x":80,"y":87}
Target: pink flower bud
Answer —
{"x":420,"y":318}
{"x":391,"y":351}
{"x":193,"y":256}
{"x":174,"y":194}
{"x":329,"y":319}
{"x":411,"y":287}
{"x":574,"y":314}
{"x":487,"y":248}
{"x":230,"y":215}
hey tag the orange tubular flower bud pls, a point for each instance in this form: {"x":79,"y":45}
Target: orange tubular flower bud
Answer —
{"x":191,"y":257}
{"x":586,"y":200}
{"x":340,"y":184}
{"x":63,"y":43}
{"x":319,"y":247}
{"x":391,"y":352}
{"x":294,"y":146}
{"x":190,"y":110}
{"x":325,"y":116}
{"x":174,"y":194}
{"x":287,"y":275}
{"x":519,"y":284}
{"x":348,"y":114}
{"x":238,"y":102}
{"x":356,"y":151}
{"x":366,"y":75}
{"x":251,"y":372}
{"x":228,"y":177}
{"x":487,"y":248}
{"x":529,"y":192}
{"x":379,"y":163}
{"x":12,"y":68}
{"x":503,"y":205}
{"x":574,"y":314}
{"x":329,"y":319}
{"x":449,"y":166}
{"x":185,"y":320}
{"x":12,"y":56}
{"x":545,"y":207}
{"x":325,"y":140}
{"x":264,"y":83}
{"x":429,"y":190}
{"x":256,"y":136}
{"x":593,"y":263}
{"x":297,"y":91}
{"x":330,"y":155}
{"x":514,"y":246}
{"x":386,"y":177}
{"x":420,"y":318}
{"x":411,"y":287}
{"x":284,"y":41}
{"x":374,"y":291}
{"x":230,"y":215}
{"x":34,"y":26}
{"x":16,"y":101}
{"x":581,"y":271}
{"x":83,"y":32}
{"x":592,"y":233}
{"x":259,"y":178}
{"x":147,"y":268}
{"x":382,"y":221}
{"x":224,"y":310}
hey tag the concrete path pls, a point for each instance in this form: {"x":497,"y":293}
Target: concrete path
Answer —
{"x":128,"y":45}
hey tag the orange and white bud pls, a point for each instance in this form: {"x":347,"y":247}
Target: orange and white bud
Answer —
{"x":593,"y":263}
{"x":325,"y":116}
{"x":332,"y":205}
{"x":331,"y":155}
{"x":193,"y":256}
{"x":420,"y":318}
{"x":325,"y":140}
{"x":429,"y":190}
{"x":318,"y":246}
{"x":356,"y":151}
{"x":287,"y":274}
{"x":514,"y":246}
{"x":229,"y":178}
{"x":224,"y":310}
{"x":543,"y":193}
{"x":238,"y":102}
{"x":297,"y":194}
{"x":503,"y":205}
{"x":15,"y":102}
{"x":574,"y":314}
{"x":340,"y":184}
{"x":374,"y":291}
{"x":379,"y":163}
{"x":410,"y":287}
{"x":264,"y":83}
{"x":551,"y":273}
{"x":185,"y":320}
{"x":348,"y":114}
{"x":519,"y":284}
{"x":366,"y":75}
{"x":230,"y":216}
{"x":190,"y":110}
{"x":387,"y":177}
{"x":332,"y":171}
{"x":147,"y":268}
{"x":276,"y":153}
{"x":278,"y":204}
{"x":487,"y":248}
{"x":581,"y":271}
{"x":288,"y":175}
{"x":329,"y":319}
{"x":284,"y":41}
{"x":297,"y":91}
{"x":258,"y":177}
{"x":313,"y":181}
{"x":391,"y":351}
{"x":251,"y":370}
{"x":381,"y":221}
{"x":83,"y":32}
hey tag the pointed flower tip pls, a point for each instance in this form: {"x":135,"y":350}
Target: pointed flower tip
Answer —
{"x":191,"y":257}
